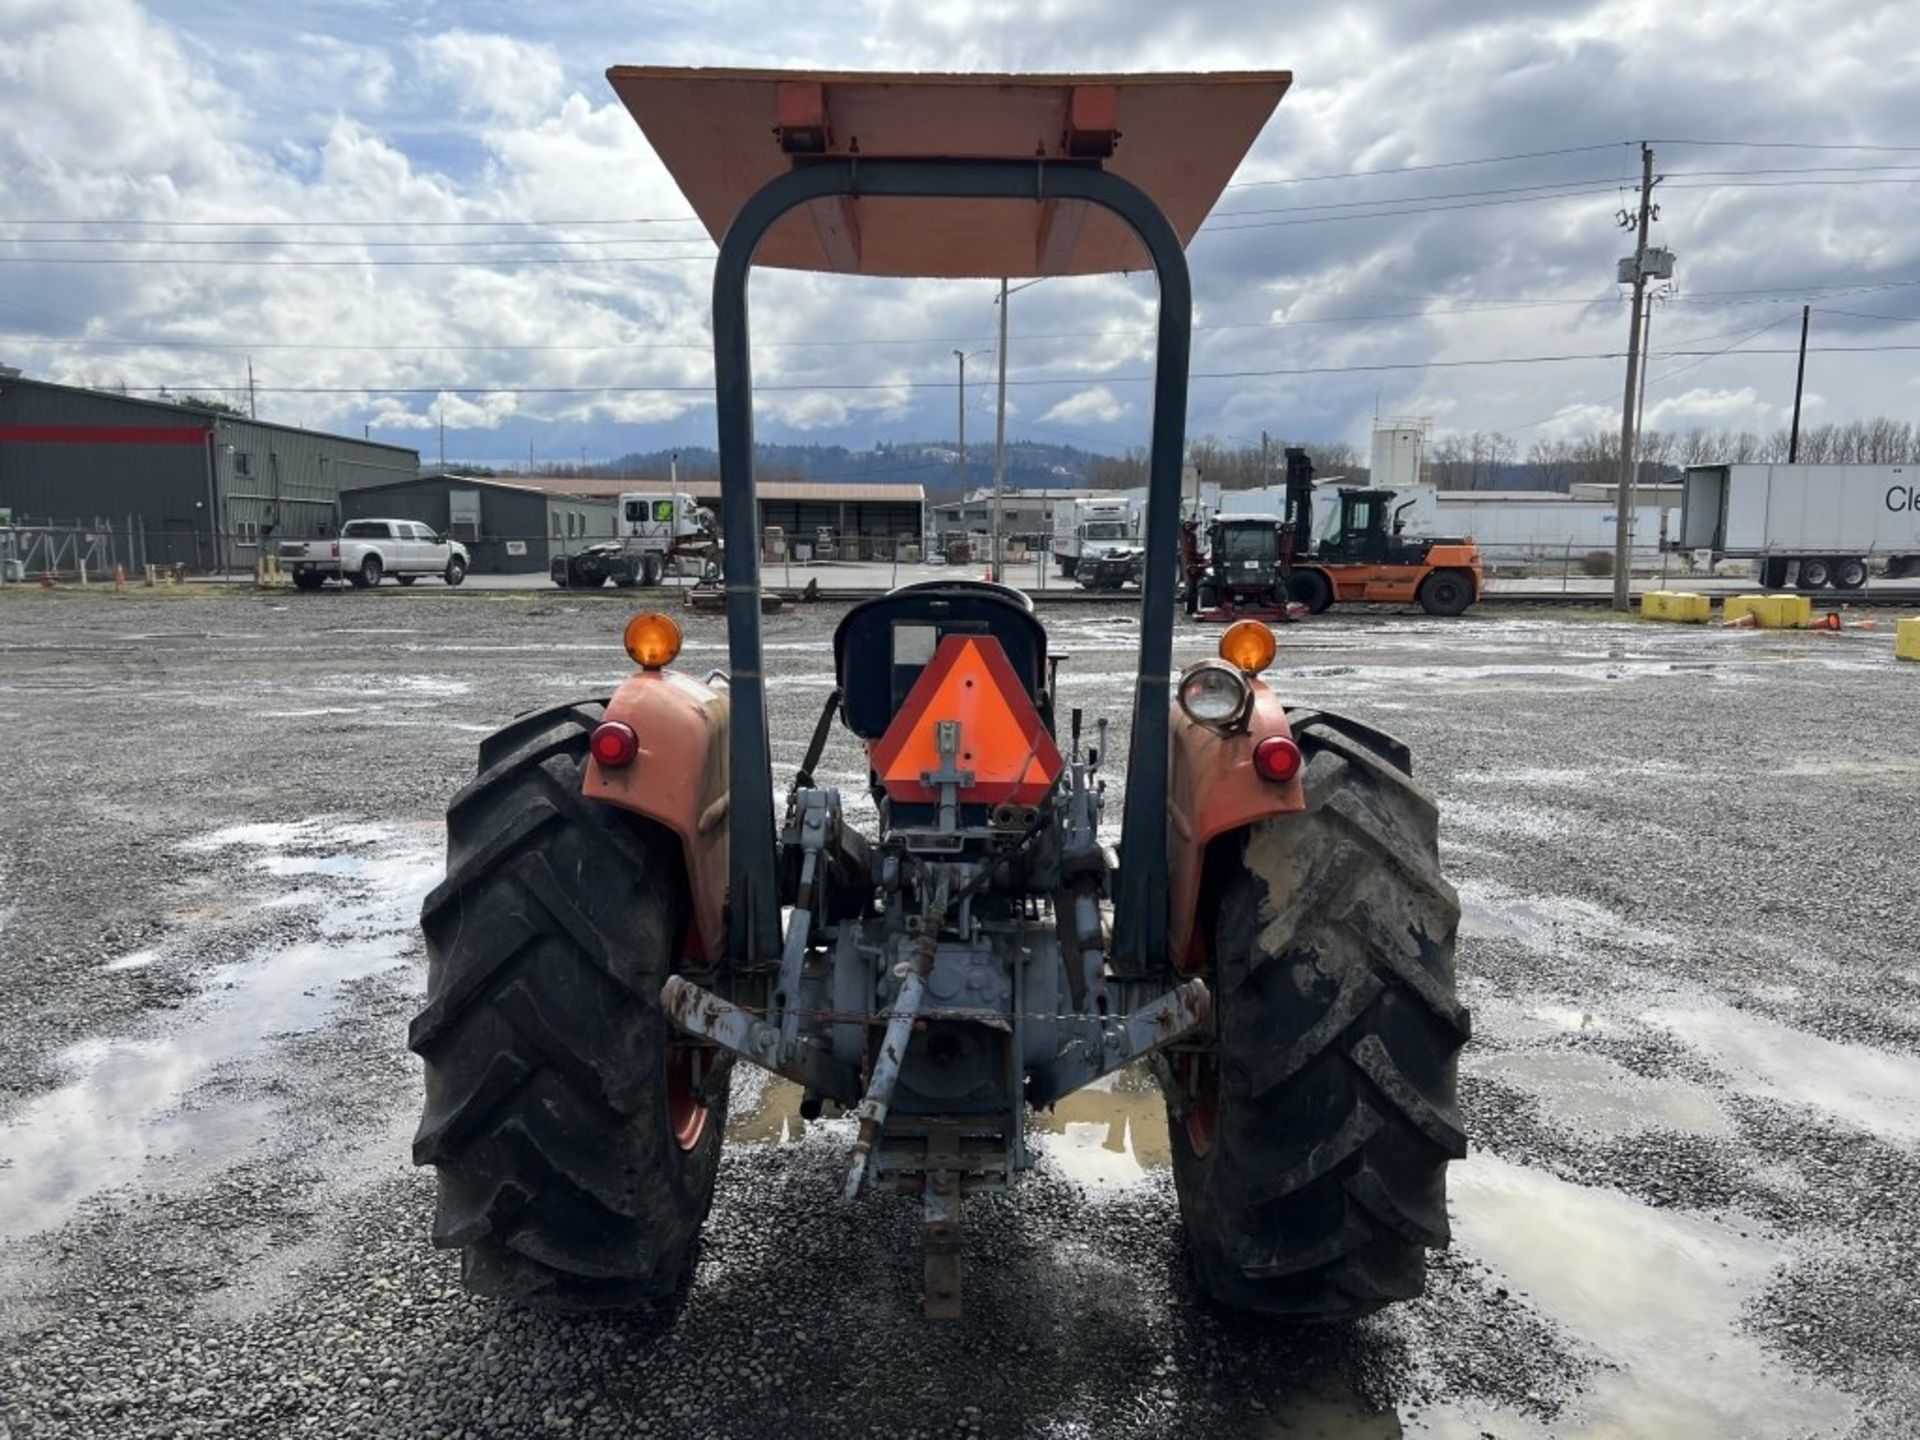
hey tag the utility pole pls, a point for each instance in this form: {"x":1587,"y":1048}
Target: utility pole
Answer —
{"x":442,"y":418}
{"x":1265,"y":443}
{"x":1623,"y":500}
{"x":961,"y":397}
{"x":1640,"y":403}
{"x":1799,"y":387}
{"x":1000,"y":434}
{"x":253,"y":412}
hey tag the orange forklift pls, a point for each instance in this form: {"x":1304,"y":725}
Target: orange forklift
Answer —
{"x":1366,"y":556}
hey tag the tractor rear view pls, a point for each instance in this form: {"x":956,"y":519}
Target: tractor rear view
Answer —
{"x":622,"y":920}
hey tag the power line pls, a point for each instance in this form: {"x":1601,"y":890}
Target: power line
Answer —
{"x":622,"y":346}
{"x":1861,"y":315}
{"x":1791,"y":145}
{"x":706,"y":257}
{"x":1606,"y":180}
{"x":364,"y":224}
{"x":1726,"y":349}
{"x":1801,"y":170}
{"x":1032,"y":381}
{"x":1436,"y":165}
{"x":343,"y":244}
{"x":1386,"y":208}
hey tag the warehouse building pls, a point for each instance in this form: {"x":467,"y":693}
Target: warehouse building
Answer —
{"x":1026,"y":516}
{"x":868,"y":521}
{"x":181,"y":485}
{"x":508,"y":527}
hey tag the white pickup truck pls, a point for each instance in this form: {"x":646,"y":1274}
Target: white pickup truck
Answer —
{"x":366,"y":551}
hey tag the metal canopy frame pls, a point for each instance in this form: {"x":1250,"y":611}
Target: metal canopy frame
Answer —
{"x":1140,"y":899}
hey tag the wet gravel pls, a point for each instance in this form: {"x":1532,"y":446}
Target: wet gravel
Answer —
{"x":1689,"y":946}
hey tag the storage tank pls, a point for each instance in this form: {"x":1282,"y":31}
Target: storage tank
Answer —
{"x":1399,"y":452}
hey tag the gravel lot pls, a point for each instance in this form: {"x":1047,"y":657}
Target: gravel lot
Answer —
{"x":1694,"y":1088}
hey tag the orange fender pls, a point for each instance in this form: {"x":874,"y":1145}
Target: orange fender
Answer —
{"x":1213,"y":790}
{"x":679,"y":780}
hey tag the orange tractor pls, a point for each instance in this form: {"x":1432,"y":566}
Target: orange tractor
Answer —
{"x":627,"y":914}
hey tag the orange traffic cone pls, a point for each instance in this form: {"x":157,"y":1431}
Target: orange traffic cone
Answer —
{"x":1829,"y":621}
{"x":120,"y":577}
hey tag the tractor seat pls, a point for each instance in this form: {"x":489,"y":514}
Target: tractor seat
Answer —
{"x":881,"y":645}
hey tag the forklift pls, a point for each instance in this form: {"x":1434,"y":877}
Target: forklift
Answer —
{"x":1367,"y":556}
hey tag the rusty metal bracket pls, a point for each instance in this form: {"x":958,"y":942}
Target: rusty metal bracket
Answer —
{"x":1118,"y":1043}
{"x":872,"y":1110}
{"x":702,"y":1013}
{"x":942,"y":1279}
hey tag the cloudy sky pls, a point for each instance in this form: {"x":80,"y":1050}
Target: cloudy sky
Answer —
{"x":1381,"y":235}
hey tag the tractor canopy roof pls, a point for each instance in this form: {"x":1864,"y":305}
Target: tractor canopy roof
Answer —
{"x":722,"y":134}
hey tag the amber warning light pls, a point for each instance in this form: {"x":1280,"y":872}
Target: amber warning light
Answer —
{"x":652,"y":639}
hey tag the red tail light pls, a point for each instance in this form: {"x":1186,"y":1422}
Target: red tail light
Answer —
{"x":613,"y":744}
{"x":1277,"y":759}
{"x":336,"y":549}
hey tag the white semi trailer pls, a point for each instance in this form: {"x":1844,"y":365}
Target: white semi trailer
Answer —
{"x":1824,"y":523}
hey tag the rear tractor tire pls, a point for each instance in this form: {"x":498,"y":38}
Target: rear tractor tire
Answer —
{"x":576,"y":1142}
{"x":1310,"y":1146}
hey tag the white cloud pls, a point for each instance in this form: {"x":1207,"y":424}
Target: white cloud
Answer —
{"x":174,"y":111}
{"x":1094,"y":406}
{"x":493,"y":74}
{"x":1698,"y":407}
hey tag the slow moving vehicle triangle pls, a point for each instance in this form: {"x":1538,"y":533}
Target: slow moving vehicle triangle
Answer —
{"x":1003,"y":742}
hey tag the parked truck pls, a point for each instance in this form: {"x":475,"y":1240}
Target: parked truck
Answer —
{"x":366,"y":551}
{"x":1816,"y":524}
{"x":1090,"y":528}
{"x":659,"y":532}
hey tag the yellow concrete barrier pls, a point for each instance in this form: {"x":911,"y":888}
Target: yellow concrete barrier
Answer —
{"x":1681,"y":606}
{"x":1906,"y":639}
{"x":1692,"y":609}
{"x":1797,"y":608}
{"x":1771,"y":612}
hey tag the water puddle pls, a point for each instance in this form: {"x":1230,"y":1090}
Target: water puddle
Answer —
{"x":1656,"y":1295}
{"x":1105,"y":1136}
{"x":1601,"y":1097}
{"x":133,"y":1113}
{"x":1875,"y":1090}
